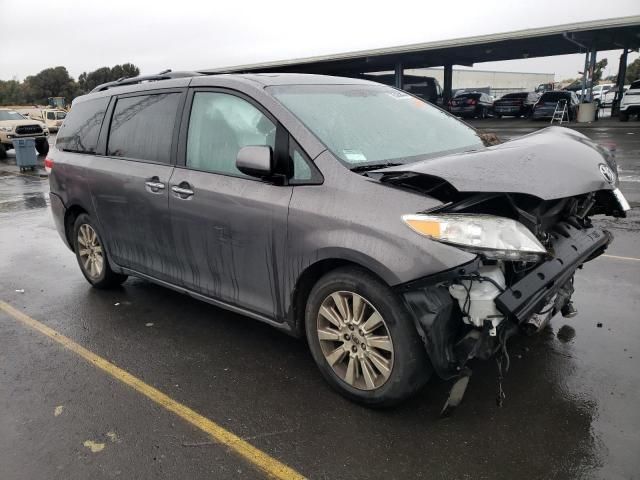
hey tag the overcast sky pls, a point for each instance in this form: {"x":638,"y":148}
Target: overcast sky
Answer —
{"x":187,"y":35}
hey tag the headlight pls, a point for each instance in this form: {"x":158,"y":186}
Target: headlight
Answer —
{"x":6,"y":129}
{"x":493,"y":237}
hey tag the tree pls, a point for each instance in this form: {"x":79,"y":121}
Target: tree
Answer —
{"x":597,"y":71}
{"x":89,"y":81}
{"x":633,"y":72}
{"x":50,"y":82}
{"x":12,"y":92}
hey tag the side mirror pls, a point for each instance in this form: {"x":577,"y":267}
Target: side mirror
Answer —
{"x":255,"y":161}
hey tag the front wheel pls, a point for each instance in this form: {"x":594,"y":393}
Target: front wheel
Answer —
{"x":3,"y":152}
{"x":92,"y":256}
{"x":362,"y":339}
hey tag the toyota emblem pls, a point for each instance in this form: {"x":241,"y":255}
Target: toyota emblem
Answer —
{"x":607,"y":173}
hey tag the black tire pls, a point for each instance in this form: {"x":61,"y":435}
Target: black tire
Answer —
{"x":498,"y":115}
{"x":623,"y":116}
{"x":3,"y":152}
{"x":105,"y":278}
{"x":410,"y":369}
{"x":42,"y":146}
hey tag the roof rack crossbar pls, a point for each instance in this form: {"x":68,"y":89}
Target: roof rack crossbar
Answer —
{"x":164,"y":75}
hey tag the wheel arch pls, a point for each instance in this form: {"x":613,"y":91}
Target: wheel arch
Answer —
{"x":310,"y":276}
{"x":70,"y":216}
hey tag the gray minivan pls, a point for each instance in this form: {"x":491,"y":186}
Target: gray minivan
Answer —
{"x":376,"y":224}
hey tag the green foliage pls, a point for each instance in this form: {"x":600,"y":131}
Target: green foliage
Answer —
{"x":50,"y":82}
{"x":88,"y":81}
{"x":597,"y":71}
{"x":633,"y":72}
{"x":12,"y":92}
{"x":56,"y":82}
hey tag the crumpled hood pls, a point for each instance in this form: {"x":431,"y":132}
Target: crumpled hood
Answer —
{"x":552,"y":163}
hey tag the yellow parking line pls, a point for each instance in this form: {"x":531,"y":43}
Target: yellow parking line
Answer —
{"x":269,"y":465}
{"x":633,"y":259}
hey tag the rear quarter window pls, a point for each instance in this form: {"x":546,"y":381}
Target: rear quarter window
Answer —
{"x":81,"y":128}
{"x":142,"y":127}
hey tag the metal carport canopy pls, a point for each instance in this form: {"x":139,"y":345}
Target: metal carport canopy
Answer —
{"x":608,"y":34}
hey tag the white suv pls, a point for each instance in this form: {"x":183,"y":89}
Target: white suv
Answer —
{"x":630,"y":104}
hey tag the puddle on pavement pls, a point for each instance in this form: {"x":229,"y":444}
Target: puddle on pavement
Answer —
{"x":22,"y":192}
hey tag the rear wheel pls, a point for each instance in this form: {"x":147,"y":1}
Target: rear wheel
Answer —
{"x":92,"y":256}
{"x":363,"y":340}
{"x":3,"y":151}
{"x":623,"y":116}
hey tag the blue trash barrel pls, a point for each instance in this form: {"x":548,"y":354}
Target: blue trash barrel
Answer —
{"x":26,"y":156}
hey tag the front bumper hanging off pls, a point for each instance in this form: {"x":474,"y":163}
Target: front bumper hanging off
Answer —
{"x":571,"y":247}
{"x":436,"y":314}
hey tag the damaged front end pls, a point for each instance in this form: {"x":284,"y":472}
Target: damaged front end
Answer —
{"x":471,"y":311}
{"x":528,"y":244}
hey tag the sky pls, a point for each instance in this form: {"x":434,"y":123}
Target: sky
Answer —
{"x":84,"y":35}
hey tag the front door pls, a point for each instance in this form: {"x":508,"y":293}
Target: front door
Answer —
{"x":230,"y":229}
{"x":130,"y":185}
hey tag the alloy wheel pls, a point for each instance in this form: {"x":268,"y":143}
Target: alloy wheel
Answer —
{"x":355,"y":340}
{"x":90,"y":251}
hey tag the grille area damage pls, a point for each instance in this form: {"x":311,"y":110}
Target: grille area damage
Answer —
{"x":471,"y":312}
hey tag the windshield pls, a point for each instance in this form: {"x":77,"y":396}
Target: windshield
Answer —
{"x":371,"y":124}
{"x":10,"y":115}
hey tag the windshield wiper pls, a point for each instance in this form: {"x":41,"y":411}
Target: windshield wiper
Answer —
{"x":375,"y":166}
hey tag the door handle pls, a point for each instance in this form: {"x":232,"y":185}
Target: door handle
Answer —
{"x":156,"y":185}
{"x":182,"y":191}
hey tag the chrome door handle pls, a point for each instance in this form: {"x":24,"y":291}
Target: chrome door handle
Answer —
{"x":155,"y":185}
{"x":182,"y":191}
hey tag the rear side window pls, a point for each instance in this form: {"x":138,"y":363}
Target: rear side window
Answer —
{"x":220,"y":125}
{"x":80,"y":130}
{"x":142,"y":127}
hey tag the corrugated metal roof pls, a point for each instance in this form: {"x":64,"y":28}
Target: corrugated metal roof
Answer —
{"x":608,"y":34}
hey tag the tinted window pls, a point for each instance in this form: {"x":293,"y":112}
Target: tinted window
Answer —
{"x":219,"y":126}
{"x":51,"y":116}
{"x":142,"y":127}
{"x":635,"y":85}
{"x":80,"y":130}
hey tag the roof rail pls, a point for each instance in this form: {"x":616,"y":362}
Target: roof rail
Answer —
{"x":164,"y":75}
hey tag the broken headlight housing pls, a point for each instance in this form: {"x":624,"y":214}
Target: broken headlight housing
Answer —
{"x":494,"y":238}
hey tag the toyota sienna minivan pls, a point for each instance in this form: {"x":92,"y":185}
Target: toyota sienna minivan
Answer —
{"x":375,"y":224}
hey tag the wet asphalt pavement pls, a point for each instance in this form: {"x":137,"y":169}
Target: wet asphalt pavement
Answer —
{"x":572,"y":393}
